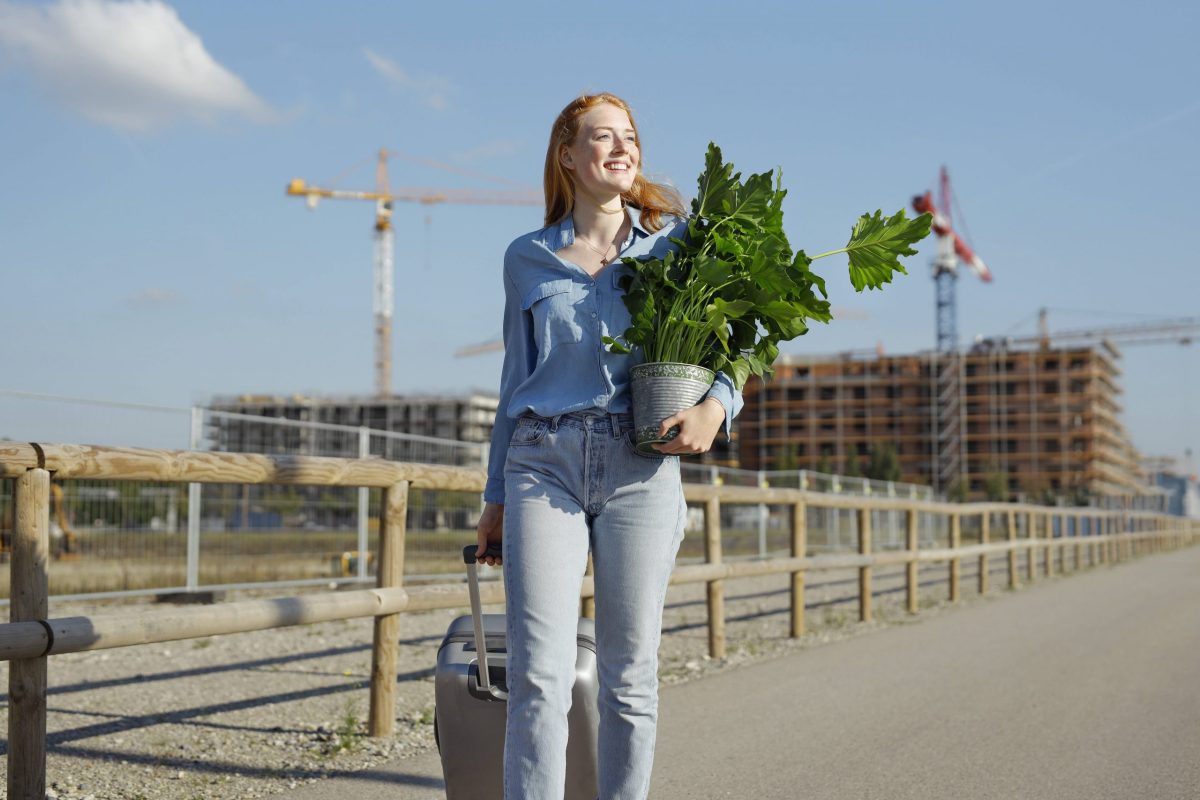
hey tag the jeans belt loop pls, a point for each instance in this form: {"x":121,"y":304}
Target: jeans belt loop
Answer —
{"x":554,"y":422}
{"x":615,"y":419}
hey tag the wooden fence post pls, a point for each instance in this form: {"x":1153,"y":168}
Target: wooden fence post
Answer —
{"x":27,"y":677}
{"x":955,"y":566}
{"x":1049,"y":520}
{"x":1106,"y":555}
{"x":799,"y":550}
{"x":864,"y":572}
{"x":913,"y":566}
{"x":1065,"y":546}
{"x":985,"y":520}
{"x":386,"y":647}
{"x":1031,"y":562}
{"x":716,"y":590}
{"x":1012,"y":554}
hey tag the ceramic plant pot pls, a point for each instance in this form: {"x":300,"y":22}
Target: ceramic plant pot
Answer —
{"x":661,"y":389}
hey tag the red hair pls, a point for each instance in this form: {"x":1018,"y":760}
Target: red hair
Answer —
{"x":654,"y":199}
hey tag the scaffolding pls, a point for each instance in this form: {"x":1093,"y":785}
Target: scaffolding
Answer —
{"x":1036,"y":423}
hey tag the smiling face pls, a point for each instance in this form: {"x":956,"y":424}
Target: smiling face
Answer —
{"x":603,"y":159}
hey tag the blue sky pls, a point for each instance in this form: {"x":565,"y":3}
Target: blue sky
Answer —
{"x":148,"y":252}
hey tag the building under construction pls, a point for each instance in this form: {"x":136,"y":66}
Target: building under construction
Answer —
{"x":244,"y":424}
{"x":993,"y":421}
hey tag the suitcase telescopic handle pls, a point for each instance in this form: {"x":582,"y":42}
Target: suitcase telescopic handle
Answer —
{"x":485,"y":679}
{"x":494,"y":549}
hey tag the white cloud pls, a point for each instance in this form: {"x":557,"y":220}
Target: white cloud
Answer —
{"x":430,"y":90}
{"x":131,"y":65}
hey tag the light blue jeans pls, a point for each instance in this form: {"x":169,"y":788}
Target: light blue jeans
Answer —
{"x":575,"y":483}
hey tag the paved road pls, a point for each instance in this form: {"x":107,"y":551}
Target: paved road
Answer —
{"x":1081,"y":687}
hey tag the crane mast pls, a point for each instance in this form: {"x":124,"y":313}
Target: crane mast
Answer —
{"x":383,"y":298}
{"x":946,"y":410}
{"x":383,"y":284}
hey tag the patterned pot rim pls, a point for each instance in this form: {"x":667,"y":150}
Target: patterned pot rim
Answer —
{"x":673,"y":369}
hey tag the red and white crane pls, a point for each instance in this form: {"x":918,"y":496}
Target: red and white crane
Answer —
{"x":950,"y":250}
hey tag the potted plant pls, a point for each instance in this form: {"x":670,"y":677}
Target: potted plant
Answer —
{"x":734,"y":289}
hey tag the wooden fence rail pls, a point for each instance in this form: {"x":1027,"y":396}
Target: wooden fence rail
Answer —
{"x":30,"y":637}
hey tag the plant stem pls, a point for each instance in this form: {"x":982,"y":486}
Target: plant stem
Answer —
{"x":830,"y":253}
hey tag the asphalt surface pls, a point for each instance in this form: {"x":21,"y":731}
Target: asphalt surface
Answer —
{"x":1085,"y":686}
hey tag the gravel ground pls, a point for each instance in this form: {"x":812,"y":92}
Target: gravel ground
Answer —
{"x":256,"y":714}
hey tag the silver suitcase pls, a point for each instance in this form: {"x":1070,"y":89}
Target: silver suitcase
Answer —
{"x":470,"y":694}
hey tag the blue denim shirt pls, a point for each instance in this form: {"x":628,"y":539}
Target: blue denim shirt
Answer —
{"x":554,"y":316}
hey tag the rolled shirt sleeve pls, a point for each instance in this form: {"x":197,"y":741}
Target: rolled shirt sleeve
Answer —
{"x":730,"y":398}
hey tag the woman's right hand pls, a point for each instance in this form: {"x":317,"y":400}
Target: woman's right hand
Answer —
{"x":490,"y":530}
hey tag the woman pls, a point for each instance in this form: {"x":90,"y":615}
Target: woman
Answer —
{"x":563,"y":476}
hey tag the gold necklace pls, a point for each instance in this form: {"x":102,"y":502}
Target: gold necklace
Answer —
{"x":602,"y":253}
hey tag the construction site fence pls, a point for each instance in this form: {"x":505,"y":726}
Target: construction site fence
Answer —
{"x":1050,"y":540}
{"x":116,"y":538}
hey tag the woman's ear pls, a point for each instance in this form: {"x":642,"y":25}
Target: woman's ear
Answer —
{"x":564,"y":158}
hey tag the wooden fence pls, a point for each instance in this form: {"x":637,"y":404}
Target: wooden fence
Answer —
{"x":30,"y":638}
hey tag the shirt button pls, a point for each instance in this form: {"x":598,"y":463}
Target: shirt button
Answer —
{"x":593,"y":315}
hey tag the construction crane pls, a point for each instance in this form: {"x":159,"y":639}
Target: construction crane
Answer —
{"x":950,"y":250}
{"x":948,"y":422}
{"x":1178,"y":330}
{"x":1167,"y":330}
{"x":384,"y":197}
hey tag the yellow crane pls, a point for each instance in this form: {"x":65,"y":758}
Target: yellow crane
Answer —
{"x":384,"y":196}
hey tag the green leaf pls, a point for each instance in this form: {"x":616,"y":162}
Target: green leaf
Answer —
{"x":713,"y":271}
{"x":876,"y":245}
{"x":615,"y":346}
{"x":738,"y":371}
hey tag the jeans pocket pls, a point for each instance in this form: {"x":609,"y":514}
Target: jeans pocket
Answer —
{"x":529,"y":430}
{"x":631,"y":446}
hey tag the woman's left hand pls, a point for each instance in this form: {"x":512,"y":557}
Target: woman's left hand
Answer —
{"x":698,"y":427}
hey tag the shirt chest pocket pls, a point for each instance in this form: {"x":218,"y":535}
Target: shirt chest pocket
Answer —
{"x":556,"y":307}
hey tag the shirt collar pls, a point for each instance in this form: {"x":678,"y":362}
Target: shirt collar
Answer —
{"x":562,"y":234}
